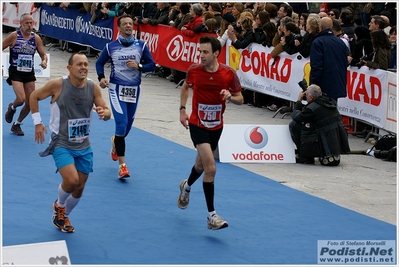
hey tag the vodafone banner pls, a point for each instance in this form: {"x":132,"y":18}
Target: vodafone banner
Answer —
{"x":371,"y":92}
{"x":12,"y":13}
{"x":256,"y":144}
{"x":170,"y":48}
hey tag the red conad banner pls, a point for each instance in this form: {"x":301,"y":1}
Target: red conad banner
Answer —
{"x":170,"y":48}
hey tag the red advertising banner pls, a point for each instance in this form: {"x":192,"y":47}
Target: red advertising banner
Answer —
{"x":170,"y":48}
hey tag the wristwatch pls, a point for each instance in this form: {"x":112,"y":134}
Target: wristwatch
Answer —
{"x":182,"y":107}
{"x":140,"y":66}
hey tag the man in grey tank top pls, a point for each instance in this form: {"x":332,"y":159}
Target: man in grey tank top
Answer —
{"x":72,"y":99}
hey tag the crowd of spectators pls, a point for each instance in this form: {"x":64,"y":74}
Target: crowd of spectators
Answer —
{"x":288,"y":27}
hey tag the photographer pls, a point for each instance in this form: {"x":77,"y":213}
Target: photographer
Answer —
{"x":317,"y":129}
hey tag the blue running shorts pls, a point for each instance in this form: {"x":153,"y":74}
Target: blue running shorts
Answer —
{"x":83,"y":159}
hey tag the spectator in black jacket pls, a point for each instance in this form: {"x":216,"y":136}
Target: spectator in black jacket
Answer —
{"x":160,"y":17}
{"x":317,"y":129}
{"x":247,"y":36}
{"x":362,"y":45}
{"x":312,"y":28}
{"x":347,"y":22}
{"x":269,"y":30}
{"x":260,"y":19}
{"x":184,"y":16}
{"x":291,"y":33}
{"x":146,"y":10}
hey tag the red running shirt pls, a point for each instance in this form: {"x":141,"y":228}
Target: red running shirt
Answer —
{"x":207,"y":103}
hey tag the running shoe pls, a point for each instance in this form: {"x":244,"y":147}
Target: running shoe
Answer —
{"x":215,"y":222}
{"x":10,"y":113}
{"x":123,"y":172}
{"x":16,"y":128}
{"x":114,"y":156}
{"x":184,"y":197}
{"x":58,"y":218}
{"x":68,"y":228}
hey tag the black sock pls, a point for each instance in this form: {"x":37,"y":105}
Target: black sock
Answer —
{"x":119,"y":142}
{"x":194,"y":175}
{"x":209,"y":191}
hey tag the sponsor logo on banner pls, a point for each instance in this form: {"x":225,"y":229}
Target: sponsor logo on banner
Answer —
{"x":356,"y":252}
{"x":180,"y":49}
{"x":256,"y":137}
{"x":256,"y":144}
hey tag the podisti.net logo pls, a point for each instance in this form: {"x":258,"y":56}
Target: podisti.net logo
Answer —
{"x":256,"y":137}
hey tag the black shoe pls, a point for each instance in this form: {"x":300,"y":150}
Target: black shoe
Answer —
{"x":10,"y":113}
{"x":16,"y":128}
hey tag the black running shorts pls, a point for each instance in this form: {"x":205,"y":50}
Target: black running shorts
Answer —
{"x":20,"y":76}
{"x":201,"y":135}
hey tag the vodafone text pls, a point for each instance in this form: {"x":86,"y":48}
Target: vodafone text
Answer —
{"x":257,"y":156}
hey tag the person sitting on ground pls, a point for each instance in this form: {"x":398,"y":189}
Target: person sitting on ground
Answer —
{"x":317,"y":129}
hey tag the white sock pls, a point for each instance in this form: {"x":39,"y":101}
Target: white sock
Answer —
{"x":70,"y":203}
{"x":211,"y":213}
{"x":62,"y":196}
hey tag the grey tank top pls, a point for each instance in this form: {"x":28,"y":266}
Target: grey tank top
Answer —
{"x":71,"y":115}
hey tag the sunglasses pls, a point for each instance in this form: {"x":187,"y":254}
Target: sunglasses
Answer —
{"x":331,"y":14}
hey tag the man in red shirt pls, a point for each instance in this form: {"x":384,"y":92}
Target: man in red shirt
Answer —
{"x":213,"y":83}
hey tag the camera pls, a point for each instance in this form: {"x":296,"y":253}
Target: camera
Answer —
{"x":297,"y":37}
{"x":304,"y":86}
{"x":361,"y":63}
{"x":236,"y":27}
